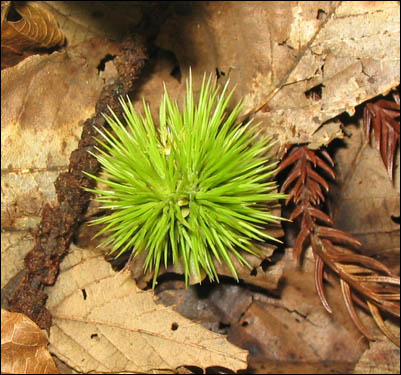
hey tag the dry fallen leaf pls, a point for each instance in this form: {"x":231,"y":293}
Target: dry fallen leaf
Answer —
{"x":257,"y":53}
{"x":26,"y":26}
{"x":367,"y":202}
{"x":103,"y":322}
{"x":44,"y":101}
{"x":24,"y":346}
{"x":296,"y":327}
{"x":300,"y":64}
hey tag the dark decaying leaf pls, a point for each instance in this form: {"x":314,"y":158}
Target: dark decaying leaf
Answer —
{"x":384,"y":115}
{"x":363,"y":280}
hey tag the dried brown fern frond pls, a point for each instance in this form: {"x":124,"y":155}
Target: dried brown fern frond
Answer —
{"x":384,"y":115}
{"x":363,"y":280}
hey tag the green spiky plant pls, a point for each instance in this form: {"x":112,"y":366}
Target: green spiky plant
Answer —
{"x":193,"y":190}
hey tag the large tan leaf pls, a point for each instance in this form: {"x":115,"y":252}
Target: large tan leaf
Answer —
{"x":276,"y":52}
{"x":24,"y":346}
{"x":103,"y":322}
{"x":44,"y":101}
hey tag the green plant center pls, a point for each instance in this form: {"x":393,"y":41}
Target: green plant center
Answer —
{"x":194,"y":190}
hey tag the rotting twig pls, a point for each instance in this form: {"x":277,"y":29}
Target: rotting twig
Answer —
{"x":59,"y":223}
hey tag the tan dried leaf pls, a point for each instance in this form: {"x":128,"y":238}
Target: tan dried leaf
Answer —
{"x":24,"y":346}
{"x":44,"y":101}
{"x":36,"y":29}
{"x":297,"y":65}
{"x":103,"y":322}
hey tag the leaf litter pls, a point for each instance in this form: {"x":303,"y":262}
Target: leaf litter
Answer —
{"x":103,"y":322}
{"x":258,"y":80}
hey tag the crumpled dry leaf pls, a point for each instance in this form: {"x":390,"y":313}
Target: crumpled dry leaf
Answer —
{"x":24,"y":346}
{"x":367,"y":202}
{"x":36,"y":29}
{"x":103,"y":322}
{"x":44,"y":101}
{"x":299,"y":65}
